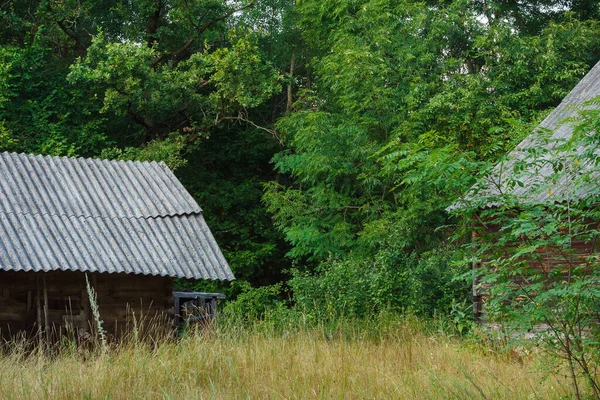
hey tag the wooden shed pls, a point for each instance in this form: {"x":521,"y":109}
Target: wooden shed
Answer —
{"x":128,"y":228}
{"x":557,"y":127}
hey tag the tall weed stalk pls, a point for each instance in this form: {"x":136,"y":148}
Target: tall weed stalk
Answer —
{"x":96,"y":313}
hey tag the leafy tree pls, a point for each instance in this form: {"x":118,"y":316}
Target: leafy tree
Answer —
{"x":192,"y":96}
{"x":225,"y":173}
{"x":406,"y":99}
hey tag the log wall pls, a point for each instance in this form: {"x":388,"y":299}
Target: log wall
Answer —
{"x":121,"y":298}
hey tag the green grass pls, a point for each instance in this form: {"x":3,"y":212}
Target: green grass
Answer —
{"x":399,"y":359}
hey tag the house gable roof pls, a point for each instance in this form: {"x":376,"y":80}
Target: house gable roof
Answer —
{"x":498,"y":180}
{"x":102,"y":216}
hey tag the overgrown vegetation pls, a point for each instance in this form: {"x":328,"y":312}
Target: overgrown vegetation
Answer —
{"x":325,"y":141}
{"x":386,"y":357}
{"x":539,"y":253}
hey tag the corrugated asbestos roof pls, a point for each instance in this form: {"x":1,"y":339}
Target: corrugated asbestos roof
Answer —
{"x":102,"y":216}
{"x":587,"y":89}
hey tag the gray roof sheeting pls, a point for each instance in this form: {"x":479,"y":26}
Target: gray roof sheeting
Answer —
{"x":86,"y":187}
{"x":102,"y":216}
{"x":587,"y":89}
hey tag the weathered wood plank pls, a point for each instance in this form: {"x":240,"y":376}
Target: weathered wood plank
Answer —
{"x":65,"y":300}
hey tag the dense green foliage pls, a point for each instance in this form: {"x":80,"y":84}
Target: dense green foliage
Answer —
{"x":324,"y":140}
{"x":409,"y":102}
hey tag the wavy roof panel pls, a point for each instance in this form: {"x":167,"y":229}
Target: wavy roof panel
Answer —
{"x":102,"y":216}
{"x":86,"y":187}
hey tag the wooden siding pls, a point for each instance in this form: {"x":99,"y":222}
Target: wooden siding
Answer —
{"x":549,"y":258}
{"x":120,"y":298}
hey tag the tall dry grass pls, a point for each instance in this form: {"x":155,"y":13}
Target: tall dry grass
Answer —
{"x":398,"y":361}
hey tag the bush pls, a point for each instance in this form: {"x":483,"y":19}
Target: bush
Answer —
{"x":359,"y":287}
{"x":252,"y":304}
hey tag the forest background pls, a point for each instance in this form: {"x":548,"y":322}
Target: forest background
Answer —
{"x":323,"y":140}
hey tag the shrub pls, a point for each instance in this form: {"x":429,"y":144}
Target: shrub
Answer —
{"x":358,"y":287}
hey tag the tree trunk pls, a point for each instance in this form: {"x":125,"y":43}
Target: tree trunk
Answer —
{"x":288,"y":106}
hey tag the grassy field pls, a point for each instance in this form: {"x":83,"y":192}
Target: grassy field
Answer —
{"x":395,"y":362}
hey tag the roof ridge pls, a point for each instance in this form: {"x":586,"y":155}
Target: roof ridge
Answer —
{"x":91,"y":187}
{"x":105,"y":217}
{"x":161,"y":163}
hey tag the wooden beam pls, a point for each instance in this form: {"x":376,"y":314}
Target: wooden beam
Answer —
{"x":38,"y":299}
{"x":46,"y":311}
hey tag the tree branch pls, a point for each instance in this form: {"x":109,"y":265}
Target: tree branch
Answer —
{"x":67,"y":31}
{"x":139,"y":120}
{"x":200,"y":31}
{"x":173,"y":53}
{"x":272,"y":132}
{"x":153,"y":24}
{"x":239,"y":118}
{"x":221,"y":18}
